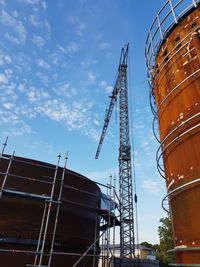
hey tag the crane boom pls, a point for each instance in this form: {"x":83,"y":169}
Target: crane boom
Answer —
{"x":125,"y":172}
{"x":113,"y":97}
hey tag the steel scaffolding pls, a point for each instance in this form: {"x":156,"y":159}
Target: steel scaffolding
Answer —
{"x":44,"y":253}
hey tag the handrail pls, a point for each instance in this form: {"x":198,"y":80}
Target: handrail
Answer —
{"x":159,"y":152}
{"x":167,"y":17}
{"x":167,"y":97}
{"x":183,"y":186}
{"x":172,"y":142}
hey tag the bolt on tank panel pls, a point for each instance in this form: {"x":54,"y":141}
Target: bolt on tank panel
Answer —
{"x":176,"y":91}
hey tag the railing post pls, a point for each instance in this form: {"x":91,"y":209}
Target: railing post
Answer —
{"x":160,"y":28}
{"x":194,"y":2}
{"x":173,"y":13}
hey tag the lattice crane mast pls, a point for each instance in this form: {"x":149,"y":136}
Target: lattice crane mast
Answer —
{"x":125,"y":172}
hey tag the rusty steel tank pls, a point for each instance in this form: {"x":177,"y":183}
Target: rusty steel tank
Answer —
{"x":173,"y":66}
{"x":26,"y":198}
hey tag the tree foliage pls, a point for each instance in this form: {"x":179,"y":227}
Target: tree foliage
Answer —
{"x":166,"y":243}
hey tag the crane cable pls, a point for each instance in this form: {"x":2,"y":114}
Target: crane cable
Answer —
{"x":133,"y":158}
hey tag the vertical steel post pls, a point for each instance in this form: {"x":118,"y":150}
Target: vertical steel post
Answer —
{"x":95,"y":237}
{"x":6,"y":174}
{"x":48,"y":213}
{"x":57,"y":210}
{"x":4,"y":146}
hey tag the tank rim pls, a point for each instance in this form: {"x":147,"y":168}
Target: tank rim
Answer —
{"x":152,"y":46}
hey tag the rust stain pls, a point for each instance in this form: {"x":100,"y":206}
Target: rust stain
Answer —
{"x":177,"y":95}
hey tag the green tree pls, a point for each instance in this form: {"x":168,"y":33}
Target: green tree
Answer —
{"x":166,"y":242}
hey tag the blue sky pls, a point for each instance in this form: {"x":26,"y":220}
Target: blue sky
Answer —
{"x":58,"y":63}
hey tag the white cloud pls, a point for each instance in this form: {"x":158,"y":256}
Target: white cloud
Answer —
{"x":139,"y":126}
{"x":71,"y":19}
{"x":80,"y":28}
{"x":102,"y":175}
{"x":7,"y":59}
{"x":74,"y":115}
{"x":88,"y":63}
{"x":144,"y":144}
{"x":104,"y":45}
{"x":7,"y":19}
{"x":63,"y":90}
{"x":2,"y":2}
{"x":44,"y":78}
{"x":8,"y":105}
{"x":79,"y":25}
{"x":35,"y":21}
{"x":107,"y":88}
{"x":31,"y":2}
{"x":35,"y":95}
{"x":3,"y":78}
{"x":21,"y":88}
{"x":62,"y":49}
{"x":38,"y":40}
{"x":16,"y":25}
{"x":17,"y":125}
{"x":91,"y":76}
{"x":72,"y":47}
{"x":42,"y":63}
{"x":44,"y":5}
{"x":152,"y":186}
{"x":47,"y":28}
{"x":15,"y":13}
{"x":96,"y":122}
{"x":12,"y":38}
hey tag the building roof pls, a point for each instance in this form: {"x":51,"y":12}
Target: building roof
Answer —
{"x":137,"y":246}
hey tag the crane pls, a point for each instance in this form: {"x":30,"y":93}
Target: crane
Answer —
{"x":125,"y":167}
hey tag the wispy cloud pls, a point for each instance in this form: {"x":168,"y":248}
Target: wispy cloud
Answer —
{"x":47,"y":27}
{"x":31,"y":2}
{"x":38,"y":40}
{"x":72,"y":47}
{"x":65,"y":90}
{"x":44,"y":5}
{"x":35,"y":95}
{"x":104,"y":45}
{"x":106,"y":87}
{"x":5,"y":58}
{"x":62,"y":49}
{"x":35,"y":21}
{"x":16,"y":25}
{"x":2,"y":2}
{"x":79,"y":25}
{"x":88,"y":63}
{"x":17,"y":125}
{"x":91,"y":76}
{"x":42,"y":63}
{"x":102,"y":175}
{"x":3,"y":78}
{"x":152,"y":186}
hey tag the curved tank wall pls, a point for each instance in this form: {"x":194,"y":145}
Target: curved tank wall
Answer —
{"x":175,"y":87}
{"x":21,"y":215}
